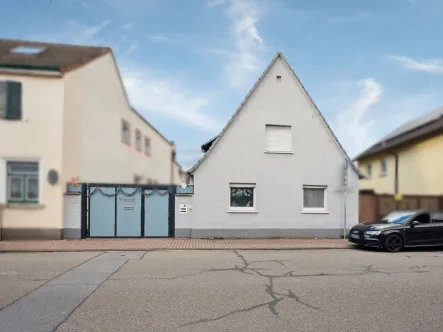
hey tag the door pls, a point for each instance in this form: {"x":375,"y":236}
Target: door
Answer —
{"x":156,"y":213}
{"x":437,"y":221}
{"x":422,"y":234}
{"x":129,"y":212}
{"x":102,"y":211}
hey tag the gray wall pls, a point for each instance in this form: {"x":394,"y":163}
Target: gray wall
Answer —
{"x":183,"y":222}
{"x":239,"y":157}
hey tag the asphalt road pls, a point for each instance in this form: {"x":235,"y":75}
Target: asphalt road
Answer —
{"x":311,"y":290}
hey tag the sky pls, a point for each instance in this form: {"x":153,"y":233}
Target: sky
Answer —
{"x":188,"y":64}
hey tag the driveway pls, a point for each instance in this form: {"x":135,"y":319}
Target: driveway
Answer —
{"x":316,"y":290}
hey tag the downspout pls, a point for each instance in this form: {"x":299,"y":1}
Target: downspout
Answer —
{"x":396,"y":174}
{"x":344,"y":197}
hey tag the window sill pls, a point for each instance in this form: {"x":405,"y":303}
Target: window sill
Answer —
{"x":279,"y":152}
{"x":242,"y":211}
{"x":314,"y":212}
{"x":25,"y":206}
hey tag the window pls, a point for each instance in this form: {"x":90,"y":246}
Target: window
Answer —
{"x":369,"y":170}
{"x":138,"y":140}
{"x":437,"y":217}
{"x":23,"y":182}
{"x":423,"y":218}
{"x":278,"y":139}
{"x":126,"y":132}
{"x":10,"y":100}
{"x":147,"y":146}
{"x":242,"y":197}
{"x":314,"y":198}
{"x":384,"y":168}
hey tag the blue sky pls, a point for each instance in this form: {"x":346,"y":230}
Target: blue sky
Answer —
{"x":188,"y":64}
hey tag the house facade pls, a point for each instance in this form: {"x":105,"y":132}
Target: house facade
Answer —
{"x":408,"y":160}
{"x":275,"y":170}
{"x":64,"y":115}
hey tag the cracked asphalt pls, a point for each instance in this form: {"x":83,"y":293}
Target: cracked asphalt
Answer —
{"x":302,"y":290}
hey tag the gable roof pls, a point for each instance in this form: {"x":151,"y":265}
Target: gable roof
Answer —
{"x":213,"y":142}
{"x":417,"y":129}
{"x":53,"y":57}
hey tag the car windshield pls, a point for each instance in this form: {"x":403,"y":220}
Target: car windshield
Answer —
{"x":397,"y":217}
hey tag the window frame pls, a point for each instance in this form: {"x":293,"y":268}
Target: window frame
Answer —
{"x":240,"y":209}
{"x":383,"y":172}
{"x":147,"y":139}
{"x":369,"y":170}
{"x":4,"y":116}
{"x":324,"y":209}
{"x":290,"y":151}
{"x":25,"y":177}
{"x":138,"y":132}
{"x":125,"y":122}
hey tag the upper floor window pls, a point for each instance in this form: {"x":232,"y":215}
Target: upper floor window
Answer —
{"x":384,"y":167}
{"x":126,"y":132}
{"x":138,"y":140}
{"x":10,"y":100}
{"x":147,"y":146}
{"x":278,"y":139}
{"x":23,"y":182}
{"x":369,"y":170}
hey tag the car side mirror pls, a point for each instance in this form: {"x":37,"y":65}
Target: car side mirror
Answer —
{"x":414,"y":223}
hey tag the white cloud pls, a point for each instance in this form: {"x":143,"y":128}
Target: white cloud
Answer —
{"x":244,"y":61}
{"x":352,"y":126}
{"x":359,"y":17}
{"x":128,"y":26}
{"x":434,"y":66}
{"x":214,"y":3}
{"x":169,"y":98}
{"x":75,"y":33}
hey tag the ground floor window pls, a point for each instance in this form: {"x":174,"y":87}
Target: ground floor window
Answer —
{"x":242,"y":196}
{"x":314,"y":198}
{"x":23,"y":182}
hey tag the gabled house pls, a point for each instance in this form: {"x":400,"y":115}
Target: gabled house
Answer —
{"x":64,"y":115}
{"x":275,"y":170}
{"x":408,"y":161}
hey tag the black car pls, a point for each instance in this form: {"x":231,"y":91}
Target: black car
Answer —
{"x":401,"y":229}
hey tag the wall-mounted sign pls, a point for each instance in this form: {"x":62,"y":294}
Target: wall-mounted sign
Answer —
{"x":52,"y":177}
{"x":183,"y":208}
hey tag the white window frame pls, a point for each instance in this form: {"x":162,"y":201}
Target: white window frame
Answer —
{"x":243,"y":209}
{"x":290,"y":151}
{"x":4,"y":161}
{"x":369,"y":167}
{"x":324,"y":209}
{"x":385,"y":171}
{"x":22,"y":189}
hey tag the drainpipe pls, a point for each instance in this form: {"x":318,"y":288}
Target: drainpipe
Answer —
{"x":396,"y":174}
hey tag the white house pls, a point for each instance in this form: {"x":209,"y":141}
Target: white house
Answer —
{"x":275,"y":170}
{"x":64,"y":114}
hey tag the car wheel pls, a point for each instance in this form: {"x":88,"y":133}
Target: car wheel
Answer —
{"x":393,"y":243}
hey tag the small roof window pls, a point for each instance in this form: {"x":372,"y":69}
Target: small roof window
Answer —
{"x":28,"y":49}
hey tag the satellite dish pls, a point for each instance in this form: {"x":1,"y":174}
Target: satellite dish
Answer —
{"x":52,"y":177}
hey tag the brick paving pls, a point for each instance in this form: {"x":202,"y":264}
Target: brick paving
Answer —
{"x":171,"y":244}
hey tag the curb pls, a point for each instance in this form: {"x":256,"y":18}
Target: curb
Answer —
{"x":168,"y":249}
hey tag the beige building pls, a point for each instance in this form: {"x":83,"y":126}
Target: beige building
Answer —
{"x":408,"y":160}
{"x":64,"y":114}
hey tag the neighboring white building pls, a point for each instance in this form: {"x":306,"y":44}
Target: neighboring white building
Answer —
{"x":64,"y":108}
{"x":275,"y":170}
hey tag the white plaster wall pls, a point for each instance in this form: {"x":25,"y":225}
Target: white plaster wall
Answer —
{"x":37,"y":137}
{"x":97,"y":105}
{"x":239,"y":157}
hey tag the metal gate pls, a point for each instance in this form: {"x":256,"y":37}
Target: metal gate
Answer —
{"x":129,"y":210}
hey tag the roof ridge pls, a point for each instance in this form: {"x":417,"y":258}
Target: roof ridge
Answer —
{"x":245,"y":100}
{"x":43,"y":43}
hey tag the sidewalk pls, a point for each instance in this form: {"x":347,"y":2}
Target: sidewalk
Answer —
{"x":172,"y":244}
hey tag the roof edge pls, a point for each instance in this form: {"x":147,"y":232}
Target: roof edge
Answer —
{"x":245,"y":100}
